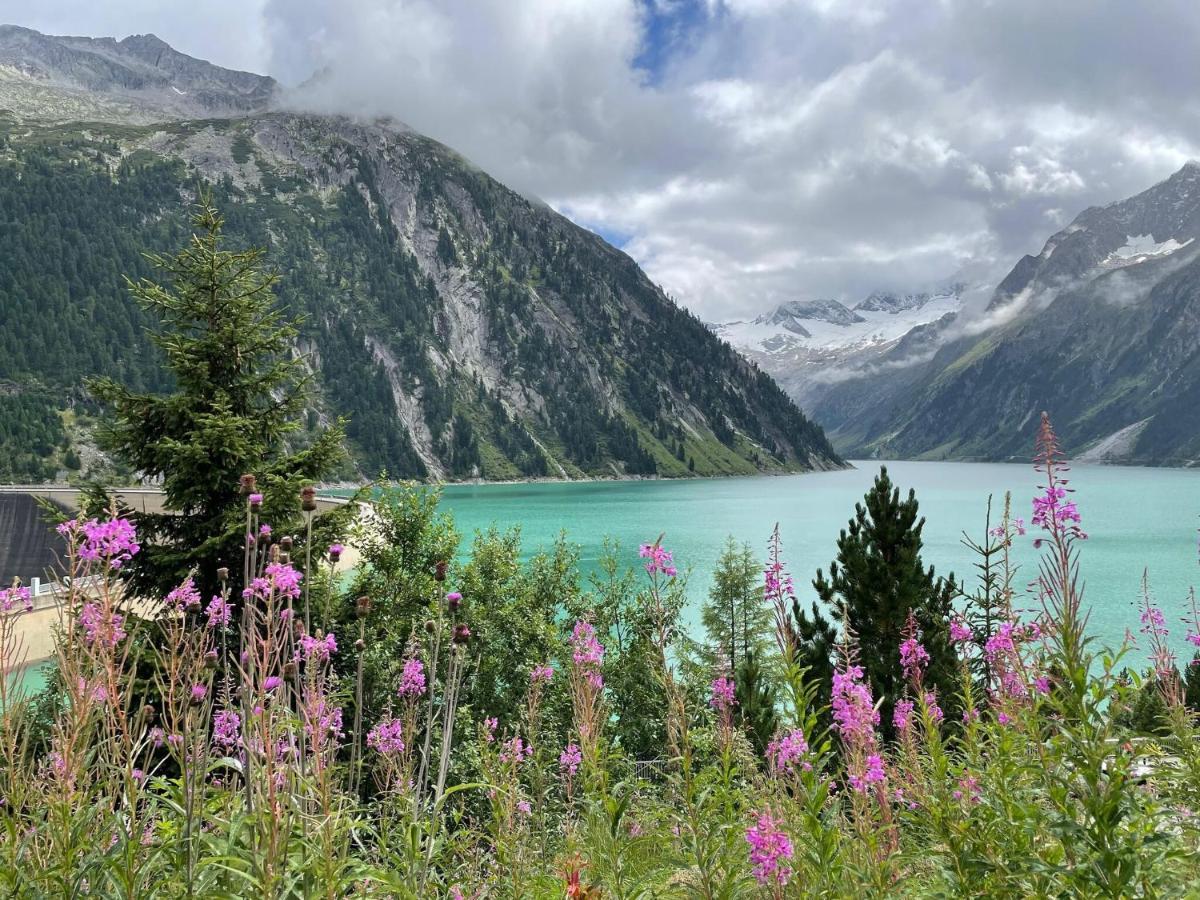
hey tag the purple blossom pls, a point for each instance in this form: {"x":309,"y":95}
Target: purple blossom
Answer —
{"x":315,"y":650}
{"x":184,"y":597}
{"x":412,"y":679}
{"x":854,"y":712}
{"x":324,"y":718}
{"x":256,"y":499}
{"x":931,"y":704}
{"x":1153,"y":622}
{"x":113,"y":541}
{"x":387,"y":737}
{"x":98,"y":628}
{"x":541,"y":674}
{"x":569,"y":759}
{"x":913,"y":659}
{"x":515,"y":750}
{"x":722,"y":695}
{"x":658,"y":560}
{"x":770,"y":851}
{"x":199,"y":692}
{"x":1052,"y":512}
{"x":227,"y":726}
{"x":219,"y":613}
{"x":10,"y":597}
{"x":960,"y":632}
{"x":902,"y":716}
{"x":272,"y":682}
{"x":279,"y":578}
{"x":874,"y":774}
{"x":786,"y":753}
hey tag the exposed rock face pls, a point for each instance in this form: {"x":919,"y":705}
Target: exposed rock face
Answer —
{"x":1099,"y":329}
{"x":467,"y":331}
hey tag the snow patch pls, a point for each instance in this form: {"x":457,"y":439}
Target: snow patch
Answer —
{"x":1140,"y":247}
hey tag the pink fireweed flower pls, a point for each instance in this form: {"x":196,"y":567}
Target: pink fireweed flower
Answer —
{"x":935,"y":711}
{"x":10,"y":597}
{"x":113,"y":541}
{"x":98,"y":628}
{"x":541,"y":674}
{"x":786,"y":753}
{"x":913,"y":659}
{"x":184,"y":597}
{"x":902,"y":716}
{"x":316,"y":650}
{"x":960,"y":631}
{"x":515,"y":750}
{"x":968,"y":786}
{"x":324,"y":719}
{"x":770,"y":851}
{"x":1153,"y":622}
{"x":854,"y":712}
{"x":412,"y":679}
{"x":387,"y":737}
{"x":570,"y":759}
{"x":227,"y":726}
{"x":489,"y":727}
{"x":873,"y":774}
{"x":279,"y":578}
{"x":913,"y":655}
{"x":219,"y":613}
{"x":588,"y":653}
{"x":722,"y":695}
{"x":658,"y":560}
{"x":1002,"y":643}
{"x":1042,"y":684}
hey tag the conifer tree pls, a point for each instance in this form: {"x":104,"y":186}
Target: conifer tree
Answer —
{"x":239,"y":395}
{"x":756,"y":707}
{"x":736,"y":617}
{"x":877,"y":578}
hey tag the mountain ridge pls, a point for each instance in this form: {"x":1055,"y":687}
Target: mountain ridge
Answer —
{"x":468,"y":331}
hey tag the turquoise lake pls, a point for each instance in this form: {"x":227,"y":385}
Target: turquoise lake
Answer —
{"x":1136,"y":518}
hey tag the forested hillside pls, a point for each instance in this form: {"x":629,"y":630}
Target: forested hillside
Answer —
{"x":465,"y":331}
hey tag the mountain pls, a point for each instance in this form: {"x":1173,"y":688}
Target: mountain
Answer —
{"x":809,"y":346}
{"x":1099,"y":329}
{"x":467,"y":331}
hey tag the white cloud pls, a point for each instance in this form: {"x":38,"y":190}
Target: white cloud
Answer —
{"x":778,"y":148}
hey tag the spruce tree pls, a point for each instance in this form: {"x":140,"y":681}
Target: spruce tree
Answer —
{"x":877,"y":578}
{"x":239,"y":397}
{"x":756,"y":706}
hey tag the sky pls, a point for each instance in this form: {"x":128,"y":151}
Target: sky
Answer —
{"x":746,"y":152}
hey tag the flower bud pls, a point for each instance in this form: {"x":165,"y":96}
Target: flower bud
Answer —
{"x":335,"y":552}
{"x":439,"y":570}
{"x":247,"y":484}
{"x":289,"y":669}
{"x":358,"y":645}
{"x":285,"y":543}
{"x":256,"y":501}
{"x":308,"y":499}
{"x":454,"y":601}
{"x":222,"y":574}
{"x":430,"y":627}
{"x":462,"y":634}
{"x":362,"y":606}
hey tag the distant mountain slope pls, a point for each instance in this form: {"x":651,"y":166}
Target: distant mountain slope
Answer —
{"x":1102,"y":329}
{"x":467,"y":331}
{"x":809,"y":346}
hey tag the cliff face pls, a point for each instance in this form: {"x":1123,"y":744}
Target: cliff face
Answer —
{"x":467,"y":331}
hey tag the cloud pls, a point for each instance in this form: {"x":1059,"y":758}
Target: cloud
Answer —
{"x":751,"y":151}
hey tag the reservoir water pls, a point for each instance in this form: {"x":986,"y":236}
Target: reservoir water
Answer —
{"x":1136,"y":518}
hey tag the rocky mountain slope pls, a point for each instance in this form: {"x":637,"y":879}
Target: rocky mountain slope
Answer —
{"x":809,"y":346}
{"x":1100,"y":328}
{"x":466,"y":330}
